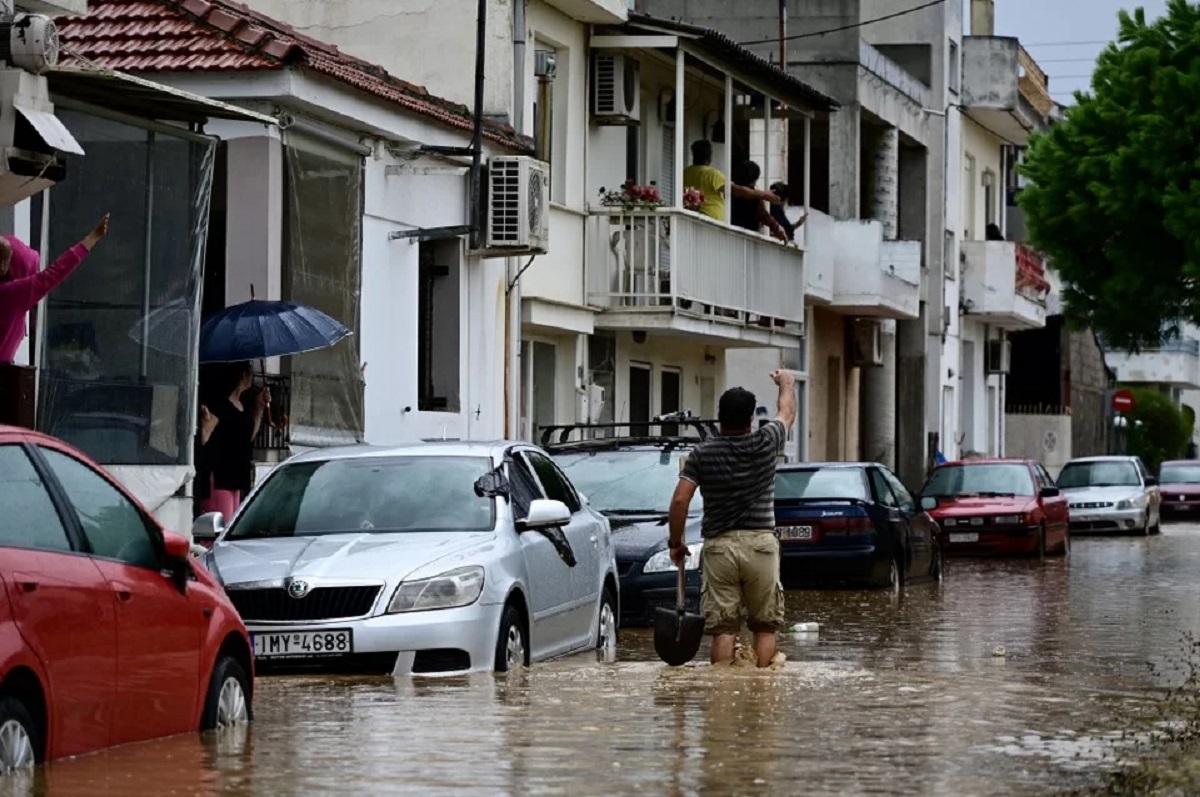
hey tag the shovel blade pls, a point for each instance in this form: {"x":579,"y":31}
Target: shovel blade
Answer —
{"x":677,"y":635}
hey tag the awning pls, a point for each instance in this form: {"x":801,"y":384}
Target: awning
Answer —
{"x":136,"y":96}
{"x":53,"y":132}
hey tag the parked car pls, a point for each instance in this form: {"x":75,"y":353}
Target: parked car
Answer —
{"x":425,"y":559}
{"x":109,"y":632}
{"x":1179,"y":485}
{"x":853,"y":522}
{"x":1114,"y":493}
{"x":631,"y":479}
{"x":997,"y":506}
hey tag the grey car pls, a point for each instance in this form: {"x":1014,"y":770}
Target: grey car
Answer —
{"x":427,"y":559}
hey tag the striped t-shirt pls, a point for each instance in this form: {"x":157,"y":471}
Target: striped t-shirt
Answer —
{"x":736,"y":477}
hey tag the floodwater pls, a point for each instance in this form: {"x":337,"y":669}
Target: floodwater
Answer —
{"x":1011,"y":678}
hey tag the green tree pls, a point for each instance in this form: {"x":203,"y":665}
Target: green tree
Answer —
{"x":1158,"y":430}
{"x":1114,"y":200}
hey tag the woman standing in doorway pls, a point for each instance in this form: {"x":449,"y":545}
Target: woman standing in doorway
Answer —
{"x":225,"y":464}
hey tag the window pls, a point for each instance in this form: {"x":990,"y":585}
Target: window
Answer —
{"x":1006,"y":479}
{"x":899,"y":490}
{"x":114,"y":527}
{"x":322,"y":256}
{"x":30,"y":519}
{"x":953,"y":68}
{"x":883,"y":492}
{"x":1099,"y":473}
{"x":524,"y":488}
{"x":968,"y":221}
{"x":990,"y":214}
{"x":1044,"y":479}
{"x":370,"y":495}
{"x":106,"y":386}
{"x":438,"y":327}
{"x":555,"y":485}
{"x":820,"y":483}
{"x":627,"y":480}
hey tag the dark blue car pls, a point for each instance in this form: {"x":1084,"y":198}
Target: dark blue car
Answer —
{"x":852,"y":522}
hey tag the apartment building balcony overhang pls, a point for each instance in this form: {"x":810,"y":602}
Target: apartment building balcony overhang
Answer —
{"x":1004,"y":284}
{"x":1003,"y":88}
{"x":665,"y":268}
{"x":601,"y":12}
{"x":1175,"y":363}
{"x":853,"y":270}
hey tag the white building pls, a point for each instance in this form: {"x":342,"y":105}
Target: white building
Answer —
{"x":356,"y":204}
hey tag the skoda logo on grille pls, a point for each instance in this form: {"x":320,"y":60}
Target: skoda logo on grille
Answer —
{"x":298,"y":589}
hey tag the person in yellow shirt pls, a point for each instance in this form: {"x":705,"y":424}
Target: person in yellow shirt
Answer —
{"x":710,"y":182}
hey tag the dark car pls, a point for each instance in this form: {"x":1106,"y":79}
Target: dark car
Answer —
{"x":631,"y":479}
{"x":1179,"y":483}
{"x":997,"y":506}
{"x":852,"y":522}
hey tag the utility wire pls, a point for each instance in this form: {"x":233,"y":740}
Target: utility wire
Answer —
{"x":1065,"y":44}
{"x":851,"y":26}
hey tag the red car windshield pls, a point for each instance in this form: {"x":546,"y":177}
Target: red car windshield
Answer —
{"x":993,"y":479}
{"x":1180,"y":474}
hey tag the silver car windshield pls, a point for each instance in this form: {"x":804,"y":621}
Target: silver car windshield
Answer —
{"x":1098,"y":474}
{"x":372,"y":495}
{"x":627,"y":481}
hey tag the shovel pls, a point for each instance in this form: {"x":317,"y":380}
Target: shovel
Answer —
{"x":677,"y":634}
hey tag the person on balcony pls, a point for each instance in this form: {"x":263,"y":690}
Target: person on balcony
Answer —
{"x":22,"y":285}
{"x":710,"y":182}
{"x":777,"y":212}
{"x":992,"y":233}
{"x":751,"y":213}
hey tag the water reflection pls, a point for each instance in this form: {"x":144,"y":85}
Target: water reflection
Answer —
{"x":898,"y":695}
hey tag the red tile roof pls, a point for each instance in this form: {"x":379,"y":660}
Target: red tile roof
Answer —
{"x":147,"y":36}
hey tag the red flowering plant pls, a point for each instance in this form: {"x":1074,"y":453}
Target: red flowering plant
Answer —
{"x":632,"y":197}
{"x":692,"y":198}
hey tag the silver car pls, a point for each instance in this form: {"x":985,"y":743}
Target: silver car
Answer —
{"x":1114,"y":493}
{"x":427,"y":559}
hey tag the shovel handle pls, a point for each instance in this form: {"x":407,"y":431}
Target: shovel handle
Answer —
{"x":679,"y":602}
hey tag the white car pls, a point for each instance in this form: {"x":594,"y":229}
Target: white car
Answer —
{"x":429,"y":559}
{"x":1114,"y":493}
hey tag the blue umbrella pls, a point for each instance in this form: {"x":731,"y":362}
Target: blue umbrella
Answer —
{"x":256,"y":329}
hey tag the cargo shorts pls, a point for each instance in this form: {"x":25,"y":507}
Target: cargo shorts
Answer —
{"x":741,"y":576}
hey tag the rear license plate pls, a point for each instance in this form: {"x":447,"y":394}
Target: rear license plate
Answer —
{"x":796,"y":533}
{"x":303,"y":644}
{"x":964,"y":538}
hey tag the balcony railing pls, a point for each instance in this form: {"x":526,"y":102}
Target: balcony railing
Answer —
{"x":1031,"y":274}
{"x":684,"y":263}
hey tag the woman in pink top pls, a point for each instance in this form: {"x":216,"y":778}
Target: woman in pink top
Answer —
{"x":22,"y":286}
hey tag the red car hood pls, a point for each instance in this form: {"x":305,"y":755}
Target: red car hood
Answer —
{"x":1189,"y":490}
{"x":974,"y":507}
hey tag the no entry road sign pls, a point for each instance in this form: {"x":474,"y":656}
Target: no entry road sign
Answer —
{"x":1122,"y":401}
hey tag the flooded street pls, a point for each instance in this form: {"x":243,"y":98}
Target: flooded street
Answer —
{"x":1011,"y":678}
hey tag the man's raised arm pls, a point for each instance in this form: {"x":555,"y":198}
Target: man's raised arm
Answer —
{"x":787,"y":397}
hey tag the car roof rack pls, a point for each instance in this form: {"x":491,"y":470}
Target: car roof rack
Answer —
{"x":704,"y":428}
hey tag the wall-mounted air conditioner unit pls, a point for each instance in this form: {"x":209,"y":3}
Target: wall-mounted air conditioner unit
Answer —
{"x":864,"y":340}
{"x":32,"y":139}
{"x":616,"y":89}
{"x":997,"y":357}
{"x":518,"y":205}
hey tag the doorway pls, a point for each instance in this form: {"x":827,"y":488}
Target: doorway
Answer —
{"x":639,"y":399}
{"x":670,"y":396}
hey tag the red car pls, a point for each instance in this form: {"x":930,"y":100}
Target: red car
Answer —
{"x":1179,"y":485}
{"x":109,"y":631}
{"x":997,"y":506}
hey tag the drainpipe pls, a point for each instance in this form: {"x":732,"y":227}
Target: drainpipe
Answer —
{"x":513,"y":295}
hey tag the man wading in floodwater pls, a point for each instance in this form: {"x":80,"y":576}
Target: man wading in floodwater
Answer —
{"x":740,"y":560}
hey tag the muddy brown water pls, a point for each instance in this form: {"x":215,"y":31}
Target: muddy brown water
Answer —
{"x":1011,"y":678}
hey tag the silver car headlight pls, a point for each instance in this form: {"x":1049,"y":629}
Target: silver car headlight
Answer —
{"x":661,"y":561}
{"x":450,"y":590}
{"x":1136,"y":502}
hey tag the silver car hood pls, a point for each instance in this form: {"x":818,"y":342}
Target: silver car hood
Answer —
{"x":1090,"y":495}
{"x":383,"y":557}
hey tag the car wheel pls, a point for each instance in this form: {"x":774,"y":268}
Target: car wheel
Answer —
{"x":939,"y":564}
{"x":606,"y":635}
{"x":228,"y":700}
{"x":512,"y":646}
{"x":894,"y":579}
{"x":18,"y":736}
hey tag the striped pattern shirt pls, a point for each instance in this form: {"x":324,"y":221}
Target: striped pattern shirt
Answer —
{"x":736,"y":477}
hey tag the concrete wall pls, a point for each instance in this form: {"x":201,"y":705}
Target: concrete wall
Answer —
{"x":982,"y":151}
{"x":699,"y":367}
{"x":980,"y":395}
{"x":990,"y":72}
{"x":1084,"y":363}
{"x":1046,"y":438}
{"x":833,"y":394}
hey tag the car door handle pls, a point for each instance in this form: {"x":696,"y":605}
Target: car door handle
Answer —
{"x":124,"y":593}
{"x":27,"y":586}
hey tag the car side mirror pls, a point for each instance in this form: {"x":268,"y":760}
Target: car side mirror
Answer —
{"x":929,"y":503}
{"x":1050,"y":492}
{"x":1151,"y":481}
{"x":208,"y":527}
{"x":544,"y":514}
{"x":177,"y":547}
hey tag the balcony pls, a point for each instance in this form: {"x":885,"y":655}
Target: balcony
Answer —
{"x":1175,"y":363}
{"x":597,"y":12}
{"x":1004,"y":284}
{"x":674,"y":272}
{"x":855,"y":272}
{"x":1003,"y":88}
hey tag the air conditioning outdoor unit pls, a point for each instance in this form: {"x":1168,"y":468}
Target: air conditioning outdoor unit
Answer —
{"x":616,"y":90}
{"x":997,"y":356}
{"x":517,"y":205}
{"x":866,"y":342}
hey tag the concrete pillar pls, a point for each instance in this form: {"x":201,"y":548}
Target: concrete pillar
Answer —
{"x":877,"y":407}
{"x":983,"y":17}
{"x":844,"y":158}
{"x":885,"y":182}
{"x":911,"y":396}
